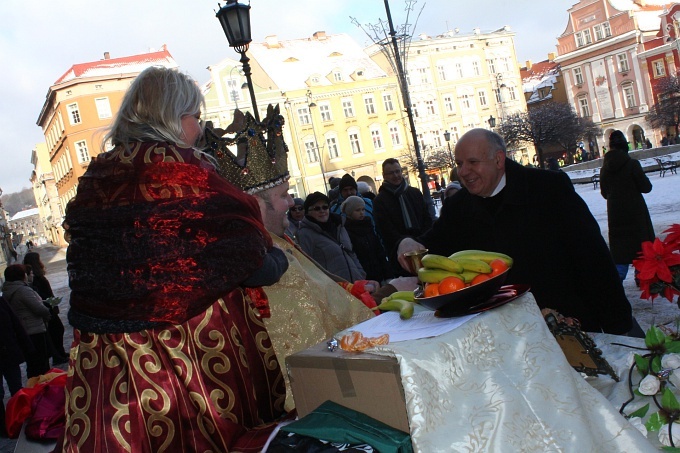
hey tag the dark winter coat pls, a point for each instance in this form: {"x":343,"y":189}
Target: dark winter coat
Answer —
{"x":368,"y":248}
{"x":14,"y":342}
{"x":27,"y":305}
{"x":622,"y":183}
{"x":546,"y":227}
{"x":333,"y":252}
{"x":389,"y":220}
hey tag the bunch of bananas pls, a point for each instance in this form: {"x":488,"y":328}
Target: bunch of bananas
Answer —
{"x":401,"y":301}
{"x":465,"y":265}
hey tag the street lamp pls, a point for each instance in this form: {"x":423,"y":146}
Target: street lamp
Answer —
{"x":492,"y":122}
{"x":447,"y":137}
{"x":311,"y":104}
{"x":235,"y":21}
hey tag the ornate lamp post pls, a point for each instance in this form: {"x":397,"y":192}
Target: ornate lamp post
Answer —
{"x":447,"y":137}
{"x":492,"y":122}
{"x":235,"y":21}
{"x":310,"y":104}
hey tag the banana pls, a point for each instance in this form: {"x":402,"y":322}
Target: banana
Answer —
{"x":432,"y":261}
{"x":404,"y":307}
{"x":426,"y":275}
{"x":469,"y":264}
{"x":468,"y":276}
{"x":403,"y":295}
{"x":482,"y":255}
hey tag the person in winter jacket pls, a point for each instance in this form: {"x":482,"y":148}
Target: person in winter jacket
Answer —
{"x":622,"y":183}
{"x":33,"y":315}
{"x":55,"y":327}
{"x":323,"y":237}
{"x":365,"y":242}
{"x":349,"y":187}
{"x":295,"y":215}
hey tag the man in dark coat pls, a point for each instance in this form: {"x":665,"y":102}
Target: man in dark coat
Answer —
{"x":399,"y":210}
{"x":537,"y":218}
{"x":622,"y":183}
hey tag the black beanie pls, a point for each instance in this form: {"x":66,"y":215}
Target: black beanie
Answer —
{"x":348,"y":181}
{"x":313,"y":198}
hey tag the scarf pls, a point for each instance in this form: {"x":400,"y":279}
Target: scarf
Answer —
{"x":407,"y":209}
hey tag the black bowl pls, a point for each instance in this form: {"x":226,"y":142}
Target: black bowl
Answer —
{"x":466,"y":297}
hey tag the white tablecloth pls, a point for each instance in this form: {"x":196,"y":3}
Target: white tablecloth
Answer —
{"x":500,"y":383}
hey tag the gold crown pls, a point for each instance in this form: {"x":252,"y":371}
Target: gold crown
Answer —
{"x":259,"y":163}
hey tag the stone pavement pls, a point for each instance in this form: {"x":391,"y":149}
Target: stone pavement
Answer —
{"x":54,"y":259}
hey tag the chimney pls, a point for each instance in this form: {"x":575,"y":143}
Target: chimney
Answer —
{"x":320,"y":35}
{"x":272,"y":42}
{"x":551,"y":56}
{"x":528,"y":65}
{"x":107,"y":56}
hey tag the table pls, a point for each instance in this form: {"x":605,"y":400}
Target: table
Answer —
{"x":501,"y":383}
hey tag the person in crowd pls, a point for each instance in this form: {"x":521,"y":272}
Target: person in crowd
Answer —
{"x":334,"y":190}
{"x":295,"y":215}
{"x":348,"y":187}
{"x":622,"y":183}
{"x":21,"y":249}
{"x":168,"y":351}
{"x":399,"y":210}
{"x":648,"y":144}
{"x":365,"y":190}
{"x":15,"y":346}
{"x":452,"y":189}
{"x":307,"y":305}
{"x":323,"y":236}
{"x":55,"y":327}
{"x":519,"y":211}
{"x":33,"y":315}
{"x":365,"y":242}
{"x":553,"y":164}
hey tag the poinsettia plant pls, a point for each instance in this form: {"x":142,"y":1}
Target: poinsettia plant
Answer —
{"x":658,"y":266}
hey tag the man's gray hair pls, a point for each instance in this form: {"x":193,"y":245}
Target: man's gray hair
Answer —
{"x":496,"y":142}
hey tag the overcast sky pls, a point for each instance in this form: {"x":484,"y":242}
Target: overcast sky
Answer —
{"x":41,"y":40}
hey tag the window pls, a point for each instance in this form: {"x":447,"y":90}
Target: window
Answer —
{"x":234,"y":90}
{"x":459,"y":70}
{"x":73,"y":114}
{"x":348,"y":108}
{"x":337,"y":76}
{"x":437,"y":138}
{"x":583,"y":106}
{"x":449,"y":106}
{"x":481,"y":94}
{"x":303,"y":115}
{"x":512,"y":93}
{"x":325,"y":110}
{"x":578,"y":76}
{"x":81,"y":151}
{"x":475,"y":68}
{"x":586,"y":36}
{"x":606,"y":29}
{"x":394,"y":135}
{"x":622,"y":61}
{"x":441,"y":70}
{"x":387,"y":101}
{"x":103,"y":108}
{"x":491,"y":65}
{"x":354,"y":142}
{"x":370,"y":106}
{"x":414,"y":109}
{"x":659,"y":69}
{"x":579,"y":39}
{"x":506,"y":63}
{"x":310,"y":147}
{"x":465,"y":102}
{"x":429,"y":106}
{"x":332,"y":145}
{"x":422,"y":72}
{"x":602,"y":31}
{"x":377,"y":139}
{"x":629,"y":95}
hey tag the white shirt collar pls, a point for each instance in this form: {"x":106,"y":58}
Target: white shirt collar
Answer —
{"x":499,"y":187}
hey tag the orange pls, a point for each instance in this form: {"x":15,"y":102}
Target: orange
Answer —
{"x":431,"y":289}
{"x":480,"y":278}
{"x":498,"y":267}
{"x":450,"y":284}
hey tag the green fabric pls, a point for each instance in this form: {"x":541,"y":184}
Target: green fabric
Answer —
{"x":335,"y":423}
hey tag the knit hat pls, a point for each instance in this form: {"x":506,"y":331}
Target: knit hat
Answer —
{"x":298,"y":202}
{"x":363,"y":187}
{"x":351,"y":204}
{"x":618,"y":141}
{"x":347,"y":181}
{"x":313,"y":198}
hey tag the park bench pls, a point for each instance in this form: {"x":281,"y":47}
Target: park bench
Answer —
{"x":666,"y":164}
{"x":595,"y":179}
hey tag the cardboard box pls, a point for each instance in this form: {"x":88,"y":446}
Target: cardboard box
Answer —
{"x":367,"y":383}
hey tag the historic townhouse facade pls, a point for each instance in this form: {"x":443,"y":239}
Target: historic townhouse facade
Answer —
{"x":460,"y":81}
{"x":604,"y":76}
{"x":46,"y":195}
{"x":79,"y":107}
{"x":341,"y":110}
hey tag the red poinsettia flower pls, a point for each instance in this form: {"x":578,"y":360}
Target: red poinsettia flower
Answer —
{"x":655,"y":260}
{"x":673,"y":236}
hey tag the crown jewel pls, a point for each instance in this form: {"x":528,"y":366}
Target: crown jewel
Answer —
{"x":248,"y":159}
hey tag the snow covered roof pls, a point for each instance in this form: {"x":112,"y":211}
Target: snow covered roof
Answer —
{"x":290,"y":64}
{"x":542,"y":74}
{"x":646,"y":12}
{"x":123,"y":65}
{"x":23,"y":214}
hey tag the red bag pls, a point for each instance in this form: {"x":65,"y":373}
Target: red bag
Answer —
{"x":43,"y":405}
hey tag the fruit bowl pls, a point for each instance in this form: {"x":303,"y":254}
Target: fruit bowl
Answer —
{"x":464,"y":298}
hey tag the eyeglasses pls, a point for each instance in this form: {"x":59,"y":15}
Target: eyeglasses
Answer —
{"x":297,"y":208}
{"x":319,"y":208}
